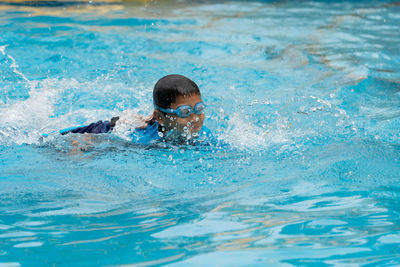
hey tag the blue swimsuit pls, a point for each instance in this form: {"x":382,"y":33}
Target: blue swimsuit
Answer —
{"x":95,"y":127}
{"x":146,"y":136}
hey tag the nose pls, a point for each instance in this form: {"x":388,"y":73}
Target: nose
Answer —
{"x":194,"y":117}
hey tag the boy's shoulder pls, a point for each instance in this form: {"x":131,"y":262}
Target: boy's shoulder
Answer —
{"x":150,"y":135}
{"x":146,"y":136}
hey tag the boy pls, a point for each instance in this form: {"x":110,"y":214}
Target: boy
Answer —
{"x":178,"y":117}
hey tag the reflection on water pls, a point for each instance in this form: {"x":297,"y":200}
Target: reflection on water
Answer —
{"x":178,"y":227}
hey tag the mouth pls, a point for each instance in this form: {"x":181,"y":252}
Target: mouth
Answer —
{"x":195,"y":128}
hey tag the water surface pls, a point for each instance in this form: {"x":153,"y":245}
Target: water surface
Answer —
{"x":306,"y":93}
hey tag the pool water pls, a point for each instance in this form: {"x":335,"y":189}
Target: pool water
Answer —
{"x":306,"y":94}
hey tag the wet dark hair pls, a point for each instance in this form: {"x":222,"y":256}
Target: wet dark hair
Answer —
{"x":168,"y":88}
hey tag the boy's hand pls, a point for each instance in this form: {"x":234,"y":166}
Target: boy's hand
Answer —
{"x":128,"y":121}
{"x":139,"y":121}
{"x":83,"y":143}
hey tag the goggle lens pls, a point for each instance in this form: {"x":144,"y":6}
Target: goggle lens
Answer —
{"x":199,"y":108}
{"x":185,"y":111}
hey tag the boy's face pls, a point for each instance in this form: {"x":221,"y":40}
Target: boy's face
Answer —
{"x":191,"y":124}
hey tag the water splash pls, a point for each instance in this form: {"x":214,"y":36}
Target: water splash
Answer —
{"x":14,"y":66}
{"x":24,"y":121}
{"x":243,"y":134}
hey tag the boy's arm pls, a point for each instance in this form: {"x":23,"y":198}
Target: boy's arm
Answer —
{"x":94,"y":128}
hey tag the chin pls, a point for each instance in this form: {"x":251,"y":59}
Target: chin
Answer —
{"x":195,"y":129}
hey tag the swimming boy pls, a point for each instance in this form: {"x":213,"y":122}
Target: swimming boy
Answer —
{"x":178,"y":116}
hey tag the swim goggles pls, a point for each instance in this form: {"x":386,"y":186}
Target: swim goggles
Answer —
{"x":185,"y":110}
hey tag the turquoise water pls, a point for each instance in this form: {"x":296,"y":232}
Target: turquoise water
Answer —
{"x":307,"y":94}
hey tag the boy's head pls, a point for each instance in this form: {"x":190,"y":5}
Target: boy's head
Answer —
{"x":176,"y":93}
{"x":171,"y":86}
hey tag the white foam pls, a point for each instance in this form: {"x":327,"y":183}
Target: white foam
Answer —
{"x":128,"y":121}
{"x":3,"y":49}
{"x":28,"y":245}
{"x":24,"y":121}
{"x":10,"y":264}
{"x":14,"y":66}
{"x":245,"y":135}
